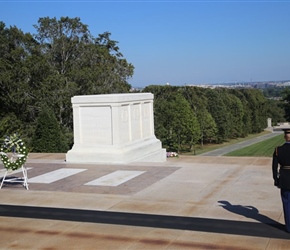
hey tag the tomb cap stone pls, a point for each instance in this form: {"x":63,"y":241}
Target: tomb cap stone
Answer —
{"x":112,"y":98}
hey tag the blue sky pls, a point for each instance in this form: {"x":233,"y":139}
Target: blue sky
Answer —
{"x":180,"y":42}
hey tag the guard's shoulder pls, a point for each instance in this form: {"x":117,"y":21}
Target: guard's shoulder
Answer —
{"x":276,"y":150}
{"x":279,"y":148}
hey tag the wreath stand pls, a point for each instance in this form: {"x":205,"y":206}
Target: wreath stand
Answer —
{"x":23,"y":180}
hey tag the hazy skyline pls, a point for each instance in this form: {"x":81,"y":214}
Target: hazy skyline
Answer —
{"x":180,"y":42}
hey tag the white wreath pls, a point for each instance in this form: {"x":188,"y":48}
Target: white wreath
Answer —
{"x":19,"y":152}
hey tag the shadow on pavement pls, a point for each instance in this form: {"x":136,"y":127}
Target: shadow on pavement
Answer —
{"x":268,"y":229}
{"x":253,"y":213}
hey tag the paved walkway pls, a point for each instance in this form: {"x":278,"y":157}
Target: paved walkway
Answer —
{"x":201,"y":202}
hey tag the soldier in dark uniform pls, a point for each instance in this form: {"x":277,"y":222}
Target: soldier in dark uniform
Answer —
{"x":281,"y":158}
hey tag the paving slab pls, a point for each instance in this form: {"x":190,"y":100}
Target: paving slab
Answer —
{"x":190,"y":202}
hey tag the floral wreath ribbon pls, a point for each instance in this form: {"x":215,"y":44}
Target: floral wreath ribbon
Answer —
{"x":15,"y":145}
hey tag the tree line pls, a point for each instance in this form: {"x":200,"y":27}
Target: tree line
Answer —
{"x":41,"y":72}
{"x":186,"y":116}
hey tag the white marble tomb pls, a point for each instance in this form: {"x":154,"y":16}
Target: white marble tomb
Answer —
{"x":114,"y":128}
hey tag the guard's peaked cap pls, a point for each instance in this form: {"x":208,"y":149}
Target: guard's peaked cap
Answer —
{"x":286,"y":130}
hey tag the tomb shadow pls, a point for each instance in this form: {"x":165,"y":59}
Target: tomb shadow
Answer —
{"x":209,"y":225}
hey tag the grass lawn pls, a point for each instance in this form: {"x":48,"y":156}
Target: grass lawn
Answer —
{"x":264,"y":148}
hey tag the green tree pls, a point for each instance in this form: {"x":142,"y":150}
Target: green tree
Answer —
{"x":246,"y":126}
{"x":9,"y":124}
{"x":235,"y":112}
{"x":79,"y":63}
{"x":175,"y":123}
{"x":199,"y":104}
{"x":219,"y":112}
{"x":208,"y":127}
{"x":257,"y":107}
{"x":273,"y":92}
{"x":275,"y":111}
{"x":16,"y":48}
{"x":48,"y":136}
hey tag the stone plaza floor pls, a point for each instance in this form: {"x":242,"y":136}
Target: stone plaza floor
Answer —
{"x":200,"y":202}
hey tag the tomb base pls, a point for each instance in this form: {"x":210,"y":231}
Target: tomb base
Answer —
{"x":144,"y":151}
